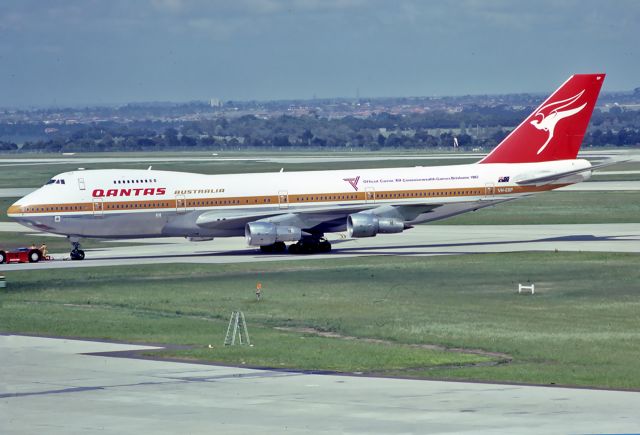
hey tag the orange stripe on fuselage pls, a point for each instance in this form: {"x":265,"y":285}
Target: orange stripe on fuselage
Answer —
{"x":162,"y":204}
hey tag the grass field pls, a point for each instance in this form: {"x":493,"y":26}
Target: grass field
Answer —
{"x":581,"y":328}
{"x":586,"y":207}
{"x":4,"y":206}
{"x":381,"y":315}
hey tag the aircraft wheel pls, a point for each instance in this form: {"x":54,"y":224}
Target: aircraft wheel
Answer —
{"x":276,"y":247}
{"x":324,"y":246}
{"x":3,"y":257}
{"x":77,"y":254}
{"x":308,"y":246}
{"x":34,"y":256}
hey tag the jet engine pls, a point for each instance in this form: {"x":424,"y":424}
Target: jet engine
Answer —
{"x":368,"y":225}
{"x":267,"y":233}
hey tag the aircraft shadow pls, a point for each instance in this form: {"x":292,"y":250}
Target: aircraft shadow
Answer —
{"x":415,"y":249}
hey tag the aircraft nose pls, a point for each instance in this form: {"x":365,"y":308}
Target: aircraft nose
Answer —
{"x":14,"y":210}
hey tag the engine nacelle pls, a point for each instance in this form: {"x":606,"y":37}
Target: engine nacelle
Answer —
{"x":368,"y":225}
{"x":390,"y":225}
{"x":362,"y":225}
{"x":267,"y":233}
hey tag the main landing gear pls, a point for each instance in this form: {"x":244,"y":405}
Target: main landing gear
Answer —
{"x":76,"y":252}
{"x":310,"y":245}
{"x":306,"y":245}
{"x":277,"y":247}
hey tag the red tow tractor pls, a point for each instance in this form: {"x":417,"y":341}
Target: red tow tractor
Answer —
{"x":22,"y":255}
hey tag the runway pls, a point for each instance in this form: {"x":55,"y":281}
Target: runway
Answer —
{"x":288,"y":158}
{"x":422,"y":240}
{"x":52,"y":386}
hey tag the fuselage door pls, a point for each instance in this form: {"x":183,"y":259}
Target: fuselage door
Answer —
{"x":369,"y":195}
{"x":283,"y":199}
{"x":81,"y":183}
{"x":181,"y":204}
{"x":98,"y":207}
{"x":489,"y":190}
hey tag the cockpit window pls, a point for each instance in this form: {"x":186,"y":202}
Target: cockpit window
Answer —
{"x":54,"y":181}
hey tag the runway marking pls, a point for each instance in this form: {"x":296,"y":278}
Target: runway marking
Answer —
{"x":42,"y":393}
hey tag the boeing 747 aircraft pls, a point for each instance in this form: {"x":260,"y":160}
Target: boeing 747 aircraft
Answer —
{"x":270,"y":209}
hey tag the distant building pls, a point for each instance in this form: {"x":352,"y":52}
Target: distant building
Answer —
{"x":215,"y":102}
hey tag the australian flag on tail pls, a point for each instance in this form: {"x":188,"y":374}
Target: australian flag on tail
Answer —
{"x":503,"y":180}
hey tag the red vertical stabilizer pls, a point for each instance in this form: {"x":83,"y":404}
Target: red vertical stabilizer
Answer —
{"x":554,"y":131}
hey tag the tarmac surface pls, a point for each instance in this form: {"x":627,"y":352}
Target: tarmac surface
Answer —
{"x":419,"y":241}
{"x":55,"y":386}
{"x":303,"y":157}
{"x":602,"y":186}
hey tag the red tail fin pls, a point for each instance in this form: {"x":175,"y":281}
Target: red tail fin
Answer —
{"x":554,"y":131}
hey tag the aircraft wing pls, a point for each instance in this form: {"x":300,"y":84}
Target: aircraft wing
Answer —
{"x":317,"y":218}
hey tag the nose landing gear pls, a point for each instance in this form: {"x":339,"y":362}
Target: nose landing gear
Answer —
{"x":76,"y":252}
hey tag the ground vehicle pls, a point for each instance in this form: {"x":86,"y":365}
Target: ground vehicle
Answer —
{"x":22,"y":255}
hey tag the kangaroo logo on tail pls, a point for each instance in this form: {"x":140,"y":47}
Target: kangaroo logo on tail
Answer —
{"x":550,"y":114}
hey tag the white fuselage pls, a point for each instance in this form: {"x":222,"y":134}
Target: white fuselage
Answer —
{"x":137,"y":203}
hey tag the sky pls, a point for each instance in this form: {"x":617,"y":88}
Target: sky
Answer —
{"x":87,"y":52}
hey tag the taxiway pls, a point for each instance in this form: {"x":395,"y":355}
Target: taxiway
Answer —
{"x":59,"y":386}
{"x":421,"y":240}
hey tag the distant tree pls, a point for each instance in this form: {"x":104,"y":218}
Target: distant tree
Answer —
{"x":615,"y":111}
{"x":8,"y":146}
{"x":499,"y":135}
{"x":306,"y":136}
{"x":281,"y":141}
{"x":188,"y":141}
{"x":318,"y":142}
{"x":171,"y":137}
{"x":206,"y":142}
{"x":464,"y":140}
{"x":145,"y":142}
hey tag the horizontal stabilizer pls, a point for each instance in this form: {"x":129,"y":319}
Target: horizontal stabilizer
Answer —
{"x":549,"y":178}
